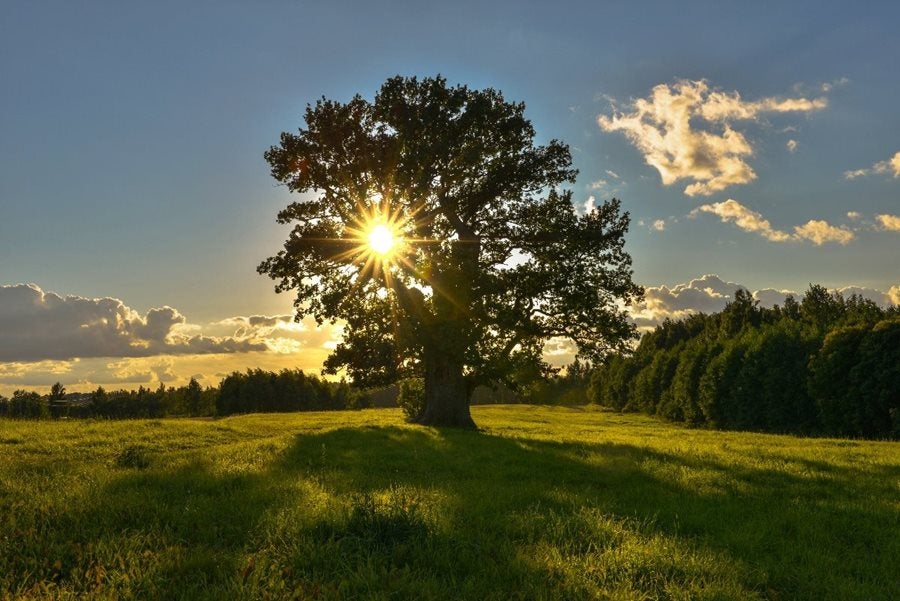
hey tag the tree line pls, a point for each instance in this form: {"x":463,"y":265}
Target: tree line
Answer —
{"x":826,"y":365}
{"x":252,"y":391}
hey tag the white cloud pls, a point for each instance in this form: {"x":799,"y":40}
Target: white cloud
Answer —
{"x":792,"y":145}
{"x":707,"y":294}
{"x":589,"y":204}
{"x":612,"y":174}
{"x":600,"y":184}
{"x":890,"y":166}
{"x":837,"y":83}
{"x":769,"y":297}
{"x":816,"y":231}
{"x":665,"y":127}
{"x":879,"y":297}
{"x":659,"y":225}
{"x":853,"y":215}
{"x":889,"y":222}
{"x":710,"y":293}
{"x":37,"y":325}
{"x":855,"y":173}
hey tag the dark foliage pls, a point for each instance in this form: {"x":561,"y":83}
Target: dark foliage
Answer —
{"x":24,"y":404}
{"x":255,"y":391}
{"x":826,"y":365}
{"x":494,"y":261}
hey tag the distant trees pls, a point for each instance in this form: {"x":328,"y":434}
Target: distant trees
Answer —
{"x":288,"y":390}
{"x":825,"y":365}
{"x":24,"y":404}
{"x":253,"y":391}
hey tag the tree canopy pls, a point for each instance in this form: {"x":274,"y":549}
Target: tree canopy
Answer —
{"x":437,"y":229}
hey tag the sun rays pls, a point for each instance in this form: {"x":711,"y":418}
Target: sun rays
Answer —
{"x":378,"y":241}
{"x":382,"y":239}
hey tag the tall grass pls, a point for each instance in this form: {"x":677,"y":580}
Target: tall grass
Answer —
{"x":543,"y":503}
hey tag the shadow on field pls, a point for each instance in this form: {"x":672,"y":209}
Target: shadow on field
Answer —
{"x":803,"y":529}
{"x":168,"y":534}
{"x":420,"y":512}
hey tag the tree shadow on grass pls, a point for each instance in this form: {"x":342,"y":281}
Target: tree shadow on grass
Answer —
{"x":155,"y":534}
{"x":814,"y":535}
{"x":378,"y":512}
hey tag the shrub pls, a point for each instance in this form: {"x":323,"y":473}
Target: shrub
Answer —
{"x":412,"y":397}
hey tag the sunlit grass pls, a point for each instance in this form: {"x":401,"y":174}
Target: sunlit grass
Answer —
{"x":543,"y":503}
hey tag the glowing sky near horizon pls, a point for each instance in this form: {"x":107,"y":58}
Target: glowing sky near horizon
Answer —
{"x":757,"y":142}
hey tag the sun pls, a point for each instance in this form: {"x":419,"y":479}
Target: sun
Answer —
{"x":381,"y":239}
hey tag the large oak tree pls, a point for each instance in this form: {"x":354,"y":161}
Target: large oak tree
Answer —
{"x":439,"y":232}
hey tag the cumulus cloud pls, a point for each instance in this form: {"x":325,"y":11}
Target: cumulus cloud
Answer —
{"x":706,"y":294}
{"x":280,"y":333}
{"x":816,"y":231}
{"x":879,"y":297}
{"x":41,"y":373}
{"x":710,"y":294}
{"x":46,"y":338}
{"x":141,"y":371}
{"x":37,"y":325}
{"x":750,"y":221}
{"x":659,"y":225}
{"x":685,"y":131}
{"x":894,"y":294}
{"x":792,"y":145}
{"x":589,"y":204}
{"x":888,"y":222}
{"x":888,"y":166}
{"x":819,"y":232}
{"x":83,"y":375}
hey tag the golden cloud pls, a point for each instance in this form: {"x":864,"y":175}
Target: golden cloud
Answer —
{"x":890,"y":166}
{"x":816,"y":231}
{"x":746,"y":219}
{"x":889,"y":222}
{"x":664,"y":127}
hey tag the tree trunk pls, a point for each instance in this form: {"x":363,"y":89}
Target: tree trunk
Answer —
{"x":446,"y":395}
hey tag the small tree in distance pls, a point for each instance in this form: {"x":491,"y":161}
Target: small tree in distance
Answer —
{"x":439,"y":233}
{"x":57,"y":392}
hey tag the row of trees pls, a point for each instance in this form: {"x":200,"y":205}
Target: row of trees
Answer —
{"x":252,"y":391}
{"x":825,"y":365}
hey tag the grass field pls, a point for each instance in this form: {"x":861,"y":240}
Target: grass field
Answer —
{"x":543,"y":503}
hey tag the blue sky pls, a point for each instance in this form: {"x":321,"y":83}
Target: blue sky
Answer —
{"x":131,"y":141}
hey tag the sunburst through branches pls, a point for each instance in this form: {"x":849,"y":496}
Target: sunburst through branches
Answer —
{"x":378,"y":234}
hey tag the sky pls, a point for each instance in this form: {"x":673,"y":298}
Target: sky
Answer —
{"x":755,"y":144}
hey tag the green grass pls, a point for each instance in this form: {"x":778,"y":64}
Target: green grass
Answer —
{"x":543,"y":503}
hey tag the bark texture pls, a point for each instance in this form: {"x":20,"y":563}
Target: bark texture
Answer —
{"x":446,"y":394}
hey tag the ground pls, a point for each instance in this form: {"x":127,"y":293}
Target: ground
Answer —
{"x":542,"y":503}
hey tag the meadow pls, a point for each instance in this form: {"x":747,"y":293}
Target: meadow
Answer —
{"x":541,"y":503}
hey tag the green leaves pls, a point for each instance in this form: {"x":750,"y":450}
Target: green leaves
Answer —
{"x":500,"y":256}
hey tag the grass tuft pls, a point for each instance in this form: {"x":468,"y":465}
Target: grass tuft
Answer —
{"x":133,"y":456}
